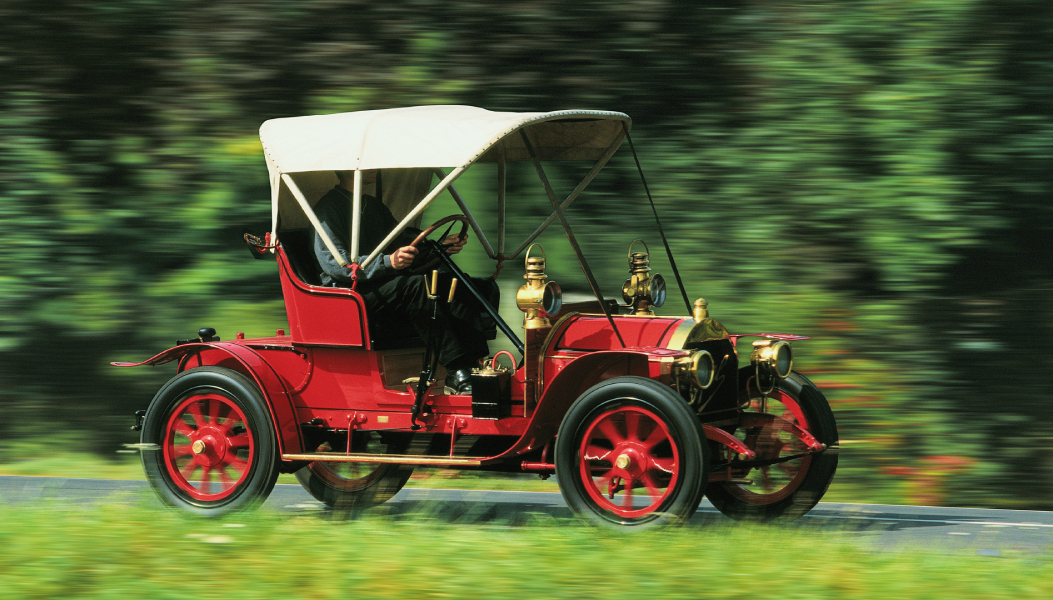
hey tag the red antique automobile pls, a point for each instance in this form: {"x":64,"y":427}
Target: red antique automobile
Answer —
{"x":638,"y":415}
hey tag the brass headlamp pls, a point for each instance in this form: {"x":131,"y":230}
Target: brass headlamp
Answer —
{"x":538,"y":298}
{"x":642,"y":290}
{"x":698,"y":368}
{"x":772,"y":360}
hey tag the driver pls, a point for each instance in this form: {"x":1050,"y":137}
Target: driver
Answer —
{"x":392,"y":296}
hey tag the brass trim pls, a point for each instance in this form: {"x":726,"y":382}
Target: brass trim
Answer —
{"x":679,"y":337}
{"x":400,"y":459}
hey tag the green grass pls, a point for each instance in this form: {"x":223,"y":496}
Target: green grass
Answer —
{"x":37,"y":460}
{"x":130,"y":549}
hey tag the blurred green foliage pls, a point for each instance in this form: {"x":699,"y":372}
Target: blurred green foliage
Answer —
{"x":874,"y":173}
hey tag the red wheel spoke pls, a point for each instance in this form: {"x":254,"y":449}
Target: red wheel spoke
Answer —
{"x":229,"y":420}
{"x":632,"y":425}
{"x":182,"y":428}
{"x":238,"y":464}
{"x":181,"y":450}
{"x":189,"y":469}
{"x":225,"y":479}
{"x":651,"y":487}
{"x":213,"y":411}
{"x":241,"y":440}
{"x":665,"y":465}
{"x":594,"y":452}
{"x":610,"y":431}
{"x":599,"y":470}
{"x":655,"y":438}
{"x":206,"y":478}
{"x":194,"y":410}
{"x":603,"y":480}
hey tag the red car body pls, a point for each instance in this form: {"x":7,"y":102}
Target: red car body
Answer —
{"x":612,"y":400}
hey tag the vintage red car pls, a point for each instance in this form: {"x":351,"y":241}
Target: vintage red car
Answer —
{"x":638,"y":415}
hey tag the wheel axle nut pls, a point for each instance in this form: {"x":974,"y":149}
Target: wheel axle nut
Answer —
{"x":198,"y":447}
{"x":623,"y":461}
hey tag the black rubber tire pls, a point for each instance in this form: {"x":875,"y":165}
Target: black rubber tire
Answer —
{"x":251,"y":441}
{"x":684,"y":448}
{"x":376,"y":484}
{"x":798,"y":496}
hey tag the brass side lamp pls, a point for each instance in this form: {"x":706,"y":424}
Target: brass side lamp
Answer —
{"x":538,"y":298}
{"x":642,"y":290}
{"x":772,"y":360}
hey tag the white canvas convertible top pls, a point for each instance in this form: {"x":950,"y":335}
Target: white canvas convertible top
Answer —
{"x":411,"y":144}
{"x":433,"y":136}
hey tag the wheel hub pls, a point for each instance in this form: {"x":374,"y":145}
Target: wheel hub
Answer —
{"x":630,"y":461}
{"x":209,"y":447}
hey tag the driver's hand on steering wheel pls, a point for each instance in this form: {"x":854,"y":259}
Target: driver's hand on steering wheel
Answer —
{"x":454,"y":243}
{"x":403,"y":257}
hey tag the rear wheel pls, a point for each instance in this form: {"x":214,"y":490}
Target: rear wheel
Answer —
{"x":357,"y":485}
{"x":630,"y":452}
{"x":216,"y":449}
{"x":783,"y":490}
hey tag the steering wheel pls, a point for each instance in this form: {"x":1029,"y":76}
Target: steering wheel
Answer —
{"x":425,"y":259}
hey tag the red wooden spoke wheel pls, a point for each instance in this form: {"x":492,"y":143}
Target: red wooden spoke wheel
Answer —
{"x":786,"y":489}
{"x":629,"y":462}
{"x":207,"y":448}
{"x":358,"y":485}
{"x":772,"y":483}
{"x":631,"y":452}
{"x":209,"y":443}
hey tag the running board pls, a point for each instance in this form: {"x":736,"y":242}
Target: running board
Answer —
{"x":398,"y":459}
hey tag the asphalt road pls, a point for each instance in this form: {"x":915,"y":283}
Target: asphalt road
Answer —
{"x":933,"y":529}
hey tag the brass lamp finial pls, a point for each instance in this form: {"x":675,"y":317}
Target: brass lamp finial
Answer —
{"x":642,"y":290}
{"x":701,"y":310}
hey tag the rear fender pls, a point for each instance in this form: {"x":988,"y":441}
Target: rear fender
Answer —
{"x":247,"y":362}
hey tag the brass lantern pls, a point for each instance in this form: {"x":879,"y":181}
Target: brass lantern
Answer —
{"x":538,"y":298}
{"x":772,"y":360}
{"x":642,"y":290}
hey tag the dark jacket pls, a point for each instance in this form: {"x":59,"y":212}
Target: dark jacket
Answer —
{"x":334,"y":212}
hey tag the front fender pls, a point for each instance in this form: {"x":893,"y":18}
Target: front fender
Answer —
{"x":578,"y":375}
{"x":247,"y":362}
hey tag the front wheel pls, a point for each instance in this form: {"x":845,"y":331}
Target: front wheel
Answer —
{"x":788,"y":489}
{"x":631,"y":453}
{"x":215,"y":449}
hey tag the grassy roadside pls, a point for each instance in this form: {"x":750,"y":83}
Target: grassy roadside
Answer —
{"x":127,"y":550}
